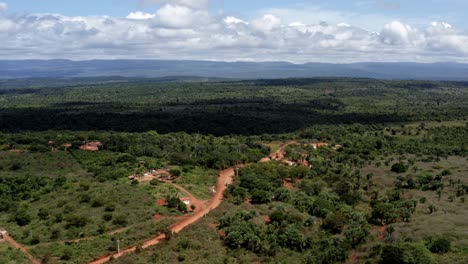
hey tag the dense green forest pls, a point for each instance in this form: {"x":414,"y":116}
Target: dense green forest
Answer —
{"x":225,"y":108}
{"x":389,"y":185}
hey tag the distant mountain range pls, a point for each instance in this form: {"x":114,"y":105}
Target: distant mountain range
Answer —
{"x":235,"y":70}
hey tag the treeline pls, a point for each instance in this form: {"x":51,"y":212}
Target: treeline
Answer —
{"x":176,"y":148}
{"x":225,"y":108}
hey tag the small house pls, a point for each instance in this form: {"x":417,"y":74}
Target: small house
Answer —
{"x":185,"y":200}
{"x":3,"y":234}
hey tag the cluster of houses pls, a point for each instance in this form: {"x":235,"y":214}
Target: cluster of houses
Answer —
{"x":163,"y":175}
{"x":89,"y":146}
{"x":280,"y":156}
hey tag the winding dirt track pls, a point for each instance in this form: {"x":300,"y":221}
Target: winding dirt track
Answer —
{"x":16,"y":245}
{"x":225,"y":178}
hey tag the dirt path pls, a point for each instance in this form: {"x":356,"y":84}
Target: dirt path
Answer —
{"x":121,"y":230}
{"x":199,"y":204}
{"x":225,"y":178}
{"x":17,"y":245}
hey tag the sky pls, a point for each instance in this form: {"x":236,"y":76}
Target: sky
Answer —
{"x":337,"y":31}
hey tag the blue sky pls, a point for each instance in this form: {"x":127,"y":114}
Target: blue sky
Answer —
{"x":259,"y":30}
{"x":451,"y":11}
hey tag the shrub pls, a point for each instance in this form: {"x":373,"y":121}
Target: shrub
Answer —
{"x":120,"y":220}
{"x":35,"y":240}
{"x":76,"y":221}
{"x":85,"y":198}
{"x":334,"y":223}
{"x":109,"y":208}
{"x":97,"y":203}
{"x":21,"y":217}
{"x":405,"y":253}
{"x":175,"y":172}
{"x":107,"y":217}
{"x":399,"y":167}
{"x":15,"y":166}
{"x":438,"y":245}
{"x":43,"y":214}
{"x":154,"y":182}
{"x":261,"y":197}
{"x":446,"y":172}
{"x":67,"y":255}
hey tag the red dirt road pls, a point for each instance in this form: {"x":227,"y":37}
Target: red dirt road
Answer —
{"x":225,"y":178}
{"x":16,"y":245}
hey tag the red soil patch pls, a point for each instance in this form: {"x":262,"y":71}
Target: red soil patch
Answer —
{"x":382,"y":232}
{"x":92,"y":146}
{"x":161,"y":202}
{"x":288,"y":184}
{"x":158,"y":217}
{"x":222,"y":233}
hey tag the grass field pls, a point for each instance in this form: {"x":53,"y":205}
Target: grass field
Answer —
{"x":198,"y":181}
{"x":9,"y":255}
{"x":102,"y":207}
{"x":449,"y":219}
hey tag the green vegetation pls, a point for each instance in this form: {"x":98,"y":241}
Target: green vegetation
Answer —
{"x":393,"y":191}
{"x":9,"y":255}
{"x":227,"y":108}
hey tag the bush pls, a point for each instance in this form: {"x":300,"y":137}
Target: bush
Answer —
{"x":85,"y":198}
{"x":334,"y":223}
{"x":399,"y":167}
{"x":261,"y":197}
{"x":405,"y":253}
{"x":97,"y":203}
{"x":438,"y":245}
{"x":22,"y":218}
{"x":43,"y":214}
{"x":35,"y":240}
{"x":120,"y":220}
{"x":446,"y":172}
{"x":107,"y":217}
{"x":109,"y":208}
{"x":154,"y":182}
{"x":175,"y":172}
{"x":67,"y":255}
{"x":76,"y":221}
{"x":15,"y":166}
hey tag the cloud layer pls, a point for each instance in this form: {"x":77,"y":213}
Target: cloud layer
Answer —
{"x":185,"y":29}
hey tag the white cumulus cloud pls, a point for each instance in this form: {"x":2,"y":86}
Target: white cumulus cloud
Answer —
{"x":266,"y":23}
{"x":188,"y":3}
{"x":184,"y":29}
{"x":140,"y":15}
{"x":396,"y":33}
{"x":179,"y":16}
